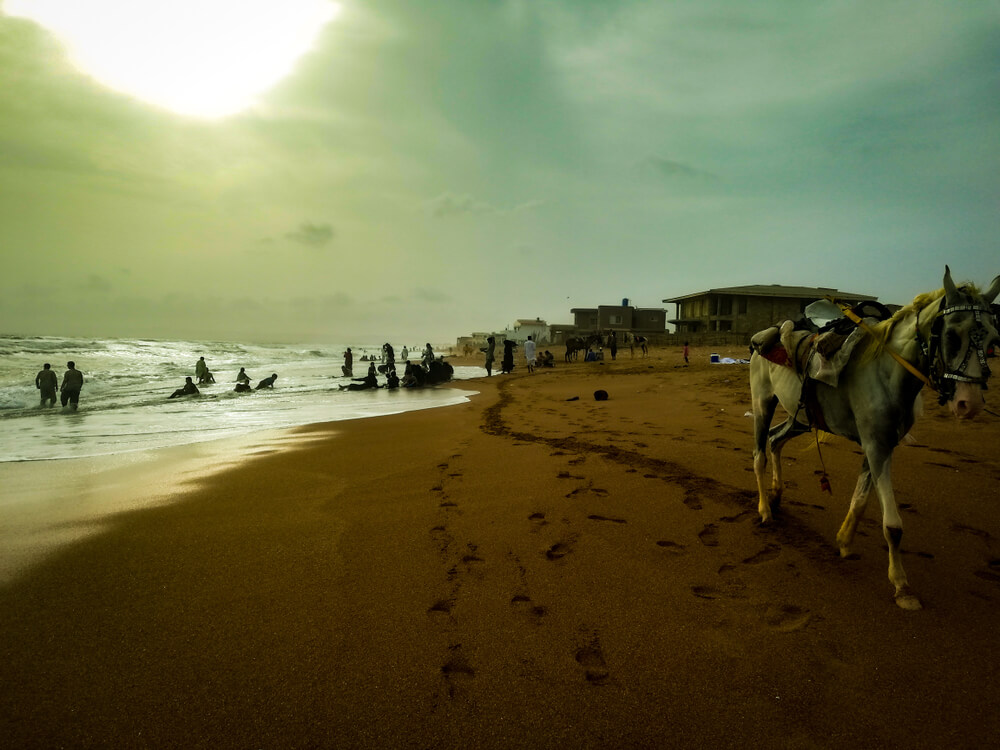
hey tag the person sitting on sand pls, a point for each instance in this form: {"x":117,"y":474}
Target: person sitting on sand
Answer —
{"x":242,"y":377}
{"x":188,"y":389}
{"x":362,"y":384}
{"x":267,"y":382}
{"x":413,"y":376}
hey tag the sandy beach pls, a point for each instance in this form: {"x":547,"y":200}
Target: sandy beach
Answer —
{"x":533,"y":568}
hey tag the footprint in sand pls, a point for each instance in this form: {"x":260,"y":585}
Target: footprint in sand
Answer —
{"x":769,"y":552}
{"x":787,"y":617}
{"x":742,"y":516}
{"x":709,"y":536}
{"x":558,"y":551}
{"x":523,"y":603}
{"x":605,"y":518}
{"x":442,"y":606}
{"x":537,"y":521}
{"x":706,"y":592}
{"x":456,"y":668}
{"x":672,"y":547}
{"x":591,"y":658}
{"x":691,"y":502}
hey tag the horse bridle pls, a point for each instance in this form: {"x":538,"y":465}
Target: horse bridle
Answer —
{"x":943,"y":380}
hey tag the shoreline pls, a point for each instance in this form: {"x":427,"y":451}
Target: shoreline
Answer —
{"x":522,"y":570}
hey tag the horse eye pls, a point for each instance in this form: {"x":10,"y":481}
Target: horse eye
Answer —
{"x":952,"y":342}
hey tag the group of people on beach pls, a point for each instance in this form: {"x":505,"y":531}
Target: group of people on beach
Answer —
{"x":532,"y":357}
{"x":205,"y":376}
{"x":430,"y":371}
{"x":69,"y":391}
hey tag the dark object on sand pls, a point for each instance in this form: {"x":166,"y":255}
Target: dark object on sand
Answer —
{"x":574,"y":398}
{"x":600,"y":395}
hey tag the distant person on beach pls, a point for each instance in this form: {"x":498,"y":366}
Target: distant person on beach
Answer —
{"x":72,"y":383}
{"x":405,"y":354}
{"x":242,"y":377}
{"x":427,"y":357}
{"x":348,"y":368}
{"x":613,"y":344}
{"x":267,"y":382}
{"x":188,"y":389}
{"x":546,"y":359}
{"x":507,"y":363}
{"x":642,"y":345}
{"x":491,"y":344}
{"x":529,"y":353}
{"x":686,"y":352}
{"x":47,"y":381}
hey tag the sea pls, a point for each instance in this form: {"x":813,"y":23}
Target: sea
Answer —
{"x":124,"y":403}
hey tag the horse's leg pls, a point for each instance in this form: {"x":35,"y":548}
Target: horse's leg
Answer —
{"x":763,"y":412}
{"x":777,"y":437}
{"x":880,"y":462}
{"x":859,"y":500}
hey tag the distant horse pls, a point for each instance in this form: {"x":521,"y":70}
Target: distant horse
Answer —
{"x":943,"y":335}
{"x":575,"y":345}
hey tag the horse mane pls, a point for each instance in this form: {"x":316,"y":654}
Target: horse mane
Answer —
{"x":875,"y":344}
{"x":881,"y":332}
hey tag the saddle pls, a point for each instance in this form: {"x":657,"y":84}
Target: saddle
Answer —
{"x":817,"y":352}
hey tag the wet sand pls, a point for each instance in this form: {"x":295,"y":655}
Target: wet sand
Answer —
{"x":522,"y":571}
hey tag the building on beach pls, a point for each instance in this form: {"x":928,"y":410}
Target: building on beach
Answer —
{"x":642,"y":321}
{"x":745,"y":310}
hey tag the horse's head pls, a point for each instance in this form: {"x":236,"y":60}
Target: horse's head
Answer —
{"x":965,"y":330}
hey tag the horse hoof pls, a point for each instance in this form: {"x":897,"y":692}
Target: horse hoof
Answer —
{"x":908,"y":601}
{"x":845,"y":552}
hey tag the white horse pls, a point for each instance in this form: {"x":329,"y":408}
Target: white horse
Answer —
{"x":945,"y":336}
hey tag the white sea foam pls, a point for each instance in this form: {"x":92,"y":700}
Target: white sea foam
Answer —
{"x":124,"y":405}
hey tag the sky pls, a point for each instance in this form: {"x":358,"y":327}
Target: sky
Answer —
{"x":400,"y":170}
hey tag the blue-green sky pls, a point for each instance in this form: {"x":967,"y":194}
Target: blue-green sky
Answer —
{"x":433,"y":168}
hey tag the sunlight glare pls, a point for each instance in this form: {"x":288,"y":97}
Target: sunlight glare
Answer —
{"x":204,"y":58}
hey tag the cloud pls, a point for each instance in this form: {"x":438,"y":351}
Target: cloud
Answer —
{"x":435,"y":296}
{"x":669,"y":169}
{"x":95,"y":283}
{"x":448,"y":204}
{"x":313,"y":235}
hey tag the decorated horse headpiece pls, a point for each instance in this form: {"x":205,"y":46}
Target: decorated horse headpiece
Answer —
{"x":946,"y":345}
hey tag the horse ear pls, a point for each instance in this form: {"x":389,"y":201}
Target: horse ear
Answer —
{"x":950,"y":291}
{"x":991,"y":294}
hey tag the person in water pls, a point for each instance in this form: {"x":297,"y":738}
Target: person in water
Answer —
{"x":188,"y":389}
{"x":201,"y":369}
{"x":47,"y":381}
{"x":267,"y":382}
{"x":348,"y":368}
{"x":242,"y":377}
{"x":427,"y":357}
{"x":72,"y":383}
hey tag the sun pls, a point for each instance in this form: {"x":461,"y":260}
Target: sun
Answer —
{"x":202,"y":58}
